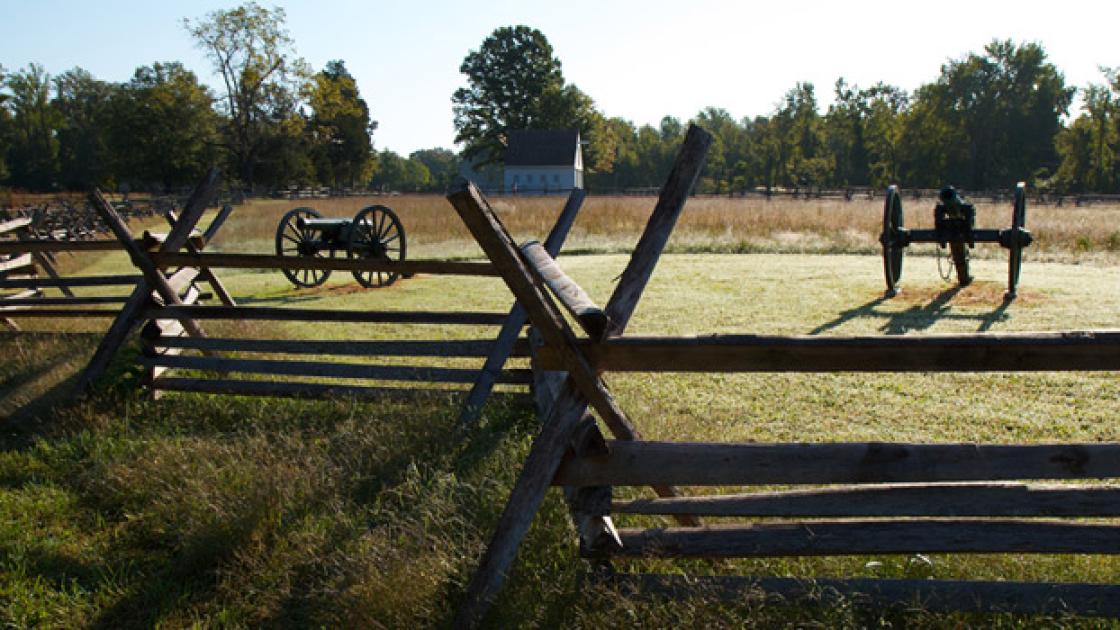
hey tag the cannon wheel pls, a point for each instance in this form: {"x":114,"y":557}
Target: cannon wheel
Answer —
{"x":292,"y":241}
{"x":892,"y":250}
{"x":1018,"y":220}
{"x":376,"y":233}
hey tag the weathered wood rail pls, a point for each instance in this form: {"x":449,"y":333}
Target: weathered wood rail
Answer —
{"x":30,"y":267}
{"x":861,"y":498}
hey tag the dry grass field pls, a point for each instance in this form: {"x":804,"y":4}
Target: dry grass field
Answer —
{"x":201,"y":511}
{"x":708,"y":225}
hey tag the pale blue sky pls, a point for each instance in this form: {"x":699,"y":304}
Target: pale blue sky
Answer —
{"x":639,"y":60}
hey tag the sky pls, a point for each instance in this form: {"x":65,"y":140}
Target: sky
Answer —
{"x":639,"y":60}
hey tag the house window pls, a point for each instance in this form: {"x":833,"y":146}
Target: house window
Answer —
{"x":555,"y":178}
{"x":515,"y":178}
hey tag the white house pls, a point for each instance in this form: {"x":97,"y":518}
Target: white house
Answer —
{"x":543,"y":161}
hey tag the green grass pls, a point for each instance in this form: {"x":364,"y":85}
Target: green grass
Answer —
{"x":224,"y":511}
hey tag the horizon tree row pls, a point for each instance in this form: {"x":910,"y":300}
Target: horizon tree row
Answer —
{"x":988,"y":119}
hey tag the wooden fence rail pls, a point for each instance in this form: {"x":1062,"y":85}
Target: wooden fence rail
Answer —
{"x":868,"y":497}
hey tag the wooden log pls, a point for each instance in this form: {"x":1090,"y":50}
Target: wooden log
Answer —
{"x":71,"y":281}
{"x":571,"y":296}
{"x":152,"y":240}
{"x":129,"y":315}
{"x":205,"y":273}
{"x":516,"y":320}
{"x":963,"y":499}
{"x":11,"y":247}
{"x":14,"y":224}
{"x":19,"y":261}
{"x":682,"y":178}
{"x":395,"y":347}
{"x":1100,"y":600}
{"x":976,"y":352}
{"x":178,"y":235}
{"x":583,"y":386}
{"x":44,"y":263}
{"x":336,"y":370}
{"x":868,"y":537}
{"x":269,"y":261}
{"x":297,"y":390}
{"x":203,"y":192}
{"x":182,"y":279}
{"x":61,"y":301}
{"x":216,"y":224}
{"x":123,"y":323}
{"x":645,"y":463}
{"x":41,"y":313}
{"x":273,"y":313}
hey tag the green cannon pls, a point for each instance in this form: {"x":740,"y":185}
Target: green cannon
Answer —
{"x":955,"y":228}
{"x":375,"y":232}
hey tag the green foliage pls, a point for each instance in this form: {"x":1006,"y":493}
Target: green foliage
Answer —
{"x":398,"y":174}
{"x":84,"y":115}
{"x":339,"y":127}
{"x":253,"y":53}
{"x":442,"y":165}
{"x":1090,"y":146}
{"x":506,"y":77}
{"x":515,"y":82}
{"x":33,"y":154}
{"x":163,"y":130}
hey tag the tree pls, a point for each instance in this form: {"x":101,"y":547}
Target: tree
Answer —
{"x":33,"y":155}
{"x":83,"y":107}
{"x":400,"y":174}
{"x":253,"y":53}
{"x":340,"y":127}
{"x":1000,"y":111}
{"x":5,"y":129}
{"x":442,"y":165}
{"x":506,"y":78}
{"x":163,"y":133}
{"x":1088,"y":147}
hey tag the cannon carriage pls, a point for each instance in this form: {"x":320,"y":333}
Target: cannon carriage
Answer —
{"x":955,"y":229}
{"x":375,"y":232}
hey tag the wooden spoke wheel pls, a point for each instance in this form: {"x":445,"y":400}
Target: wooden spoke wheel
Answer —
{"x":891,"y":240}
{"x":1018,"y":224}
{"x":377,"y":233}
{"x":294,"y":241}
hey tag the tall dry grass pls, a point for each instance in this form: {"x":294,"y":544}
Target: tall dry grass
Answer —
{"x":708,"y":224}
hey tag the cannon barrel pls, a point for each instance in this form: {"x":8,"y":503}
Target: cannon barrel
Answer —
{"x":321,"y":225}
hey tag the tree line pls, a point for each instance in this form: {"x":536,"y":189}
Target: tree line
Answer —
{"x":987,"y":120}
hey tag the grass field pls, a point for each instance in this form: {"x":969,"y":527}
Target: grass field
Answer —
{"x":209,"y":511}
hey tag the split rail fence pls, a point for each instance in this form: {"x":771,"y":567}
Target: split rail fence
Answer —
{"x":178,"y":355}
{"x":31,"y":269}
{"x":856,"y":498}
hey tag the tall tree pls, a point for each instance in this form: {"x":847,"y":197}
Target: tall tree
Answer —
{"x":340,"y":126}
{"x":83,"y":106}
{"x":506,"y":77}
{"x":164,"y":132}
{"x":1002,"y":108}
{"x":5,"y":129}
{"x":253,"y":53}
{"x":33,"y":155}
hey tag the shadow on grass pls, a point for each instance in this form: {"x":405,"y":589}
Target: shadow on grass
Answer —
{"x":917,"y":317}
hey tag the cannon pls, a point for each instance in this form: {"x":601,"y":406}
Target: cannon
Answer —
{"x":375,"y":232}
{"x":955,"y":228}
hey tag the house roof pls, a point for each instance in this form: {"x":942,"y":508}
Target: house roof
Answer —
{"x":542,"y":147}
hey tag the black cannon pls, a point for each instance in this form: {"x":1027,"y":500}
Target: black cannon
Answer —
{"x":955,"y":228}
{"x":375,"y":232}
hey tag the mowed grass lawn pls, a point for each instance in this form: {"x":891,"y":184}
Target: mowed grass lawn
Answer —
{"x":226,"y":511}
